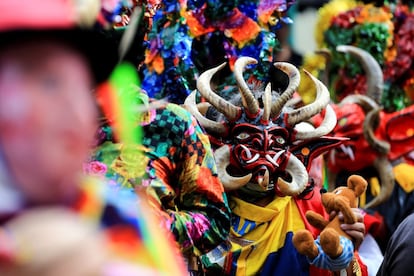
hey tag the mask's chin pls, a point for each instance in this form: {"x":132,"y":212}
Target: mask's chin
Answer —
{"x":251,"y":192}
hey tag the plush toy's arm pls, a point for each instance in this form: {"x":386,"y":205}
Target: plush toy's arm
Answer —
{"x":343,"y":206}
{"x":355,"y":268}
{"x":316,"y":220}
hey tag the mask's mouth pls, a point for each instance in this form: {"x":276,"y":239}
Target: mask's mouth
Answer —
{"x":235,"y":177}
{"x":252,"y":191}
{"x":343,"y":152}
{"x":262,"y":181}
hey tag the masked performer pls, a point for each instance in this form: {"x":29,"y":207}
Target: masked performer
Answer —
{"x":264,"y":148}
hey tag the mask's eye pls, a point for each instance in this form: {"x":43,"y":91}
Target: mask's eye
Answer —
{"x":342,"y":121}
{"x":242,"y":136}
{"x":280,"y":140}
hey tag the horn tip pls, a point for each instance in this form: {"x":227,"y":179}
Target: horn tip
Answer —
{"x":342,"y":48}
{"x":246,"y":60}
{"x":307,"y":73}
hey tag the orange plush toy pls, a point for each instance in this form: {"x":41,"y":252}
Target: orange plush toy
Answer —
{"x":329,"y":249}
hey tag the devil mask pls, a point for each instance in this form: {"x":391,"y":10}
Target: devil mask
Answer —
{"x":378,"y":139}
{"x":263,"y":144}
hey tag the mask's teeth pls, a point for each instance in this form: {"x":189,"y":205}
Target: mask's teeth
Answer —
{"x":254,"y":159}
{"x":248,"y":153}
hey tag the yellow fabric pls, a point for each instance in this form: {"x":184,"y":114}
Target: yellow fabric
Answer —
{"x":375,"y":189}
{"x":404,"y":175}
{"x":261,"y":231}
{"x":92,"y":206}
{"x":375,"y":186}
{"x":363,"y":199}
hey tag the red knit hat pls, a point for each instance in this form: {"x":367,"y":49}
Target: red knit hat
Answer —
{"x":69,"y":21}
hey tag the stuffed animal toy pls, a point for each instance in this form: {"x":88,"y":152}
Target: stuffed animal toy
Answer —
{"x":332,"y":239}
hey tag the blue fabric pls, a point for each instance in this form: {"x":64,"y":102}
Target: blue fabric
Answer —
{"x":286,"y":261}
{"x":325,"y":262}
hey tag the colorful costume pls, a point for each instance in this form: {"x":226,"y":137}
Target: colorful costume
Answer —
{"x":135,"y":233}
{"x":384,"y":31}
{"x":181,"y":177}
{"x":258,"y":244}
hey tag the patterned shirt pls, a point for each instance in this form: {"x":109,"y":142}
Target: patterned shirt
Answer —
{"x":181,"y":177}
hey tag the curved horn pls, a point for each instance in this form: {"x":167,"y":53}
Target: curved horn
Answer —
{"x":222,"y":156}
{"x":364,"y":101}
{"x":387,"y":179}
{"x":249,"y":102}
{"x":299,"y":175}
{"x":308,"y":111}
{"x":373,"y":71}
{"x":191,"y":106}
{"x":294,"y":79}
{"x":331,"y":176}
{"x":327,"y":125}
{"x":295,"y":101}
{"x":267,"y":102}
{"x":327,"y":55}
{"x":203,"y":85}
{"x":203,"y":107}
{"x":370,"y":120}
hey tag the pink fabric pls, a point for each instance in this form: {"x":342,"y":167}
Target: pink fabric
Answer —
{"x":36,"y":14}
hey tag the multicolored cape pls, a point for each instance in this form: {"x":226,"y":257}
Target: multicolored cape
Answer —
{"x":180,"y":176}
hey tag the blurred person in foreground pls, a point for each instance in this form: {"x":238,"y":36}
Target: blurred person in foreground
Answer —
{"x":39,"y":249}
{"x":51,"y":58}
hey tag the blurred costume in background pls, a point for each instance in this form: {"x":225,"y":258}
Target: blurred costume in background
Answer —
{"x":186,"y":38}
{"x":383,"y":31}
{"x":365,"y":59}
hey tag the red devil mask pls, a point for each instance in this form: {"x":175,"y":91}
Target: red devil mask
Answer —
{"x":262,"y":142}
{"x":377,"y":139}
